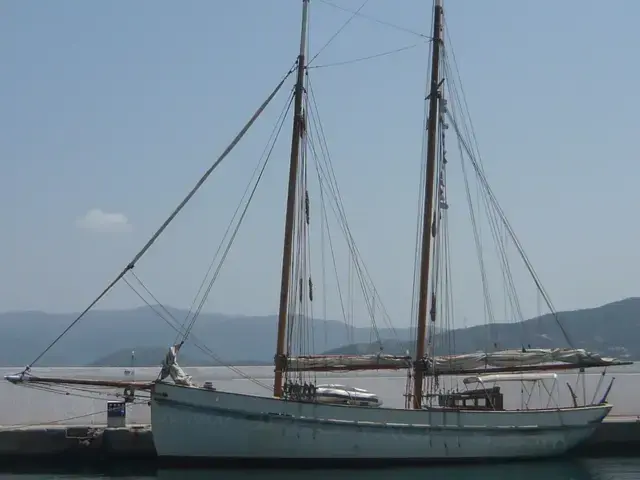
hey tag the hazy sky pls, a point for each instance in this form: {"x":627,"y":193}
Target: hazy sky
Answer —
{"x":110,"y":111}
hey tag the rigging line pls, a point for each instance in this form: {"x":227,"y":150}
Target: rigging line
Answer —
{"x":476,"y":232}
{"x":177,"y":327}
{"x":155,"y":299}
{"x":180,"y":328}
{"x":323,"y":228}
{"x":324,"y":231}
{"x":500,"y":247}
{"x":471,"y":138}
{"x":323,"y":208}
{"x":275,"y":132}
{"x":325,"y":218}
{"x":512,"y":234}
{"x":449,"y":290}
{"x":501,"y":244}
{"x":182,"y":325}
{"x":420,"y":209}
{"x":353,"y":259}
{"x":332,"y":38}
{"x":306,"y":227}
{"x":363,"y":275}
{"x":203,"y":348}
{"x":369,"y":57}
{"x":54,"y":422}
{"x":341,"y":214}
{"x":361,"y":269}
{"x":476,"y":236}
{"x":166,"y":223}
{"x":489,"y":212}
{"x":323,"y":179}
{"x":95,"y":394}
{"x":376,"y":20}
{"x":237,"y":228}
{"x":354,"y":256}
{"x":464,"y":104}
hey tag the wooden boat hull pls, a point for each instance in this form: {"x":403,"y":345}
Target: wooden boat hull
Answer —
{"x":199,"y":423}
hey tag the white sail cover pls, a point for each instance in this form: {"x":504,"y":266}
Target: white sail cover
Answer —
{"x":171,"y":368}
{"x":518,"y":358}
{"x":354,"y":362}
{"x":455,"y":363}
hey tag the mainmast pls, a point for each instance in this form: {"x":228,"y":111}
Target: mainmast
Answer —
{"x":429,"y":198}
{"x":298,"y":119}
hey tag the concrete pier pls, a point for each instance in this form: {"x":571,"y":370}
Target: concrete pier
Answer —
{"x":616,"y":436}
{"x":91,"y":443}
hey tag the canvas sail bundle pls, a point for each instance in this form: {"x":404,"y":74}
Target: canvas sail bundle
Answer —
{"x":507,"y":359}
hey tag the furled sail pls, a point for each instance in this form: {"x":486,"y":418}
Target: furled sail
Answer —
{"x":514,"y":359}
{"x":505,"y":360}
{"x":171,"y":368}
{"x":348,"y":362}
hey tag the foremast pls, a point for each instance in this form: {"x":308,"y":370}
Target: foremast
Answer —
{"x":280,"y":359}
{"x":429,"y":198}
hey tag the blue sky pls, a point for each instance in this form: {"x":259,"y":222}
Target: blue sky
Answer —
{"x":110,"y":111}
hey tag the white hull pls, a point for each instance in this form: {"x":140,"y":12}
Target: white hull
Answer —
{"x":194,"y":423}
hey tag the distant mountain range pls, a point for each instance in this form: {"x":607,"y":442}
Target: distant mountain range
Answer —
{"x":610,"y":330}
{"x":106,"y":338}
{"x":152,"y":356}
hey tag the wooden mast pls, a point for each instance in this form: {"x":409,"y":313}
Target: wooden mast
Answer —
{"x":280,"y":357}
{"x":429,"y":198}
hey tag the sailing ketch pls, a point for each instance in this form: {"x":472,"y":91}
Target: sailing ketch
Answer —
{"x":299,"y":420}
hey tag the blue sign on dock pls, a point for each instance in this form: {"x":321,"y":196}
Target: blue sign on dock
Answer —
{"x":116,"y":409}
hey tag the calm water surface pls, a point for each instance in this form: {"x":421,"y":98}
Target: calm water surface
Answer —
{"x":607,"y":469}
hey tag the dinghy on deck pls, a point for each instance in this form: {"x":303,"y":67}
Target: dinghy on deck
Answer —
{"x":336,"y":394}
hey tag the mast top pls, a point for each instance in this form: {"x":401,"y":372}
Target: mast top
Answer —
{"x":303,"y":30}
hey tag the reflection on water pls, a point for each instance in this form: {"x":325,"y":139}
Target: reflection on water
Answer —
{"x":613,"y":469}
{"x":543,"y":471}
{"x":509,"y":471}
{"x":600,"y":469}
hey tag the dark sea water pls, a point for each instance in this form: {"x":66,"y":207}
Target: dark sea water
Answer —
{"x":597,"y":469}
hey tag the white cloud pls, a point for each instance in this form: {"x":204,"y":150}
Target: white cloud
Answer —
{"x":99,"y":221}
